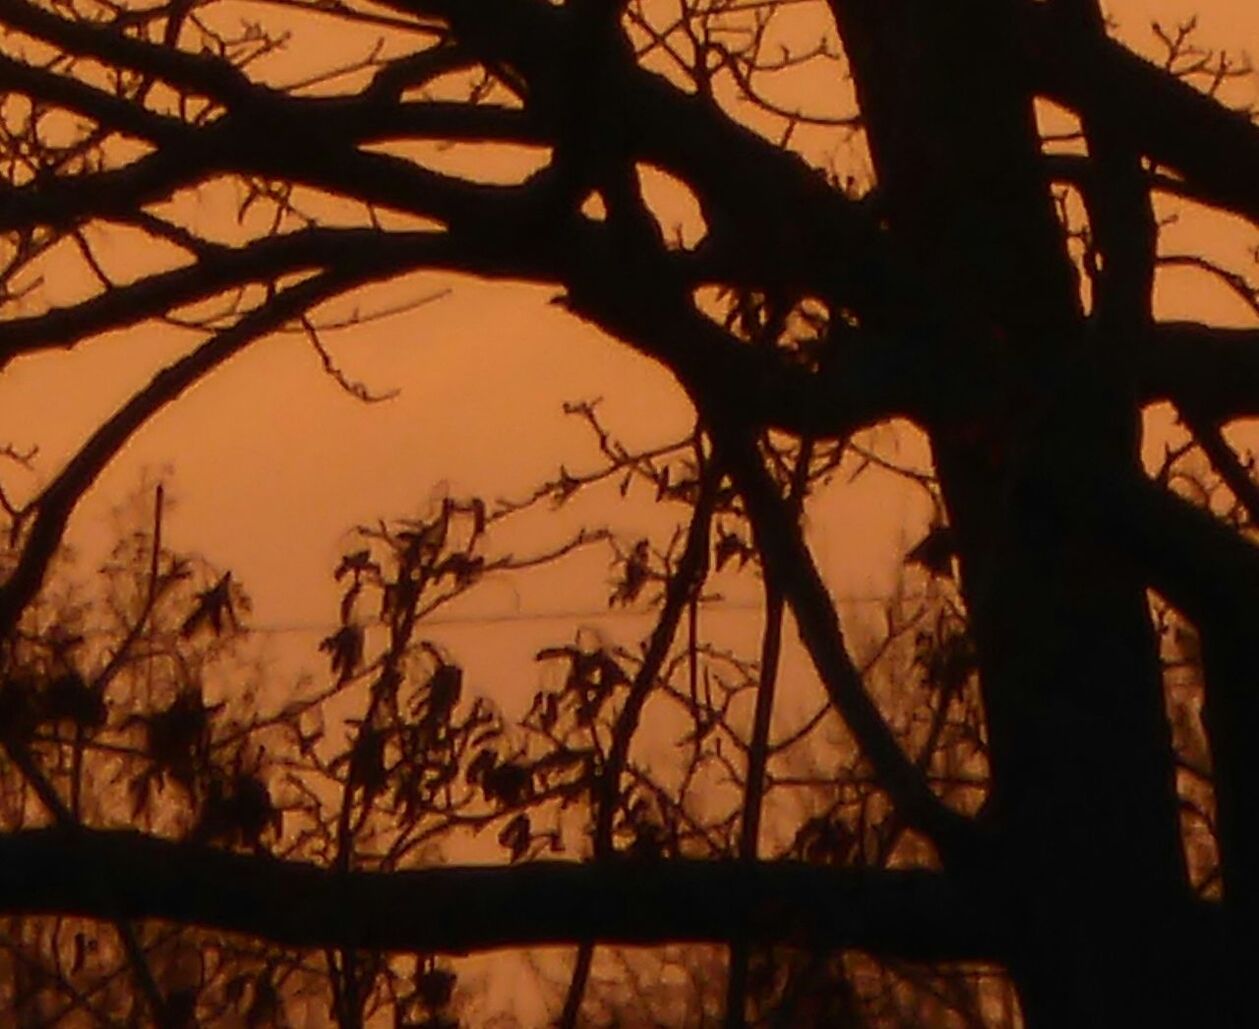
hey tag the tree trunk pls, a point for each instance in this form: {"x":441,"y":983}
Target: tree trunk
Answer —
{"x":1087,"y":862}
{"x":1231,"y":710}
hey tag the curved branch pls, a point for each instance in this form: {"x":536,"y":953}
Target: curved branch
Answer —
{"x":790,"y":567}
{"x":53,"y":507}
{"x":219,"y":268}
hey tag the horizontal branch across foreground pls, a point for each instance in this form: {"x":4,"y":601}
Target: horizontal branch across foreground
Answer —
{"x":461,"y":909}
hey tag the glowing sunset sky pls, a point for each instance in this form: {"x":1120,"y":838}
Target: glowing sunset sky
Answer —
{"x":273,"y":463}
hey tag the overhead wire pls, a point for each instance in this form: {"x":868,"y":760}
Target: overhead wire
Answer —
{"x":559,"y":614}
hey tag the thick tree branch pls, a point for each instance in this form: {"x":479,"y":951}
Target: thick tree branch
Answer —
{"x":1120,"y":212}
{"x":104,"y":108}
{"x":1212,"y":371}
{"x":1215,"y":149}
{"x":770,"y":216}
{"x":361,"y":118}
{"x":801,"y":229}
{"x":908,"y":914}
{"x":268,"y":139}
{"x":1079,"y":171}
{"x":71,"y":199}
{"x":643,"y":299}
{"x":1204,"y":567}
{"x":366,"y":121}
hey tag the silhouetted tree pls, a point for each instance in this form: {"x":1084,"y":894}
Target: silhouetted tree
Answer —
{"x":986,"y":278}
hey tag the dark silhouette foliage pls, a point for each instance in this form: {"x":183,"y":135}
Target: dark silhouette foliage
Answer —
{"x":1026,"y":798}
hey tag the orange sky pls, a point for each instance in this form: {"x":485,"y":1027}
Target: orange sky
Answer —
{"x":272,"y":462}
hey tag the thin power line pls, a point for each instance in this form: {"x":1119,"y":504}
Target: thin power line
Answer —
{"x":730,"y":606}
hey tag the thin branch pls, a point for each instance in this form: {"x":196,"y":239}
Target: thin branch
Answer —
{"x":790,"y":564}
{"x":1236,"y":475}
{"x":53,"y":507}
{"x":686,"y":581}
{"x":759,"y":746}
